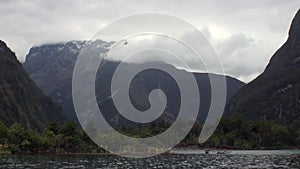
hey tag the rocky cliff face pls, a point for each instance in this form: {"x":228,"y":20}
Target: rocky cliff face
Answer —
{"x":21,"y":100}
{"x":51,"y":67}
{"x":275,"y":94}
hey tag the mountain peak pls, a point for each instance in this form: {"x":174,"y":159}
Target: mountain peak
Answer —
{"x":295,"y":26}
{"x":294,"y":33}
{"x":5,"y":49}
{"x":275,"y":94}
{"x":2,"y":43}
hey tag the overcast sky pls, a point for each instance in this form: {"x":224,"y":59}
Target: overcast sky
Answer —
{"x":245,"y":33}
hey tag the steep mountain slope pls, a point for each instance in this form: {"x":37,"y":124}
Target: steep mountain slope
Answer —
{"x":275,"y":94}
{"x":21,"y":100}
{"x":147,"y":80}
{"x":51,"y":67}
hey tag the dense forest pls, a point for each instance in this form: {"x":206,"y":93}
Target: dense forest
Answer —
{"x":67,"y":138}
{"x":237,"y":133}
{"x":55,"y":139}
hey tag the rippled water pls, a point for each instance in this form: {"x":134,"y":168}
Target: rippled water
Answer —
{"x":182,"y":159}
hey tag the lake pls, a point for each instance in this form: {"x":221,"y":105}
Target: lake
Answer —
{"x":179,"y":159}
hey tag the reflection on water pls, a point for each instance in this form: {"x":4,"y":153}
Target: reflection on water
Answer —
{"x":181,"y":159}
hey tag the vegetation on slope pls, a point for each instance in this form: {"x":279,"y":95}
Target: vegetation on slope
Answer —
{"x":231,"y":134}
{"x":21,"y":100}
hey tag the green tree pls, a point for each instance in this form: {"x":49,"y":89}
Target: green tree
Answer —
{"x":68,"y":129}
{"x":70,"y":139}
{"x":54,"y":127}
{"x":17,"y":137}
{"x":3,"y":135}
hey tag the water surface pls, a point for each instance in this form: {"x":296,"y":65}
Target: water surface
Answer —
{"x":181,"y":159}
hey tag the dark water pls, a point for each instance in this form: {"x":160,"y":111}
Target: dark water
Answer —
{"x":184,"y":159}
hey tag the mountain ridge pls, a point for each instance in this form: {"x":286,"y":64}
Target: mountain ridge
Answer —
{"x":275,"y":94}
{"x":62,"y":93}
{"x":21,"y":100}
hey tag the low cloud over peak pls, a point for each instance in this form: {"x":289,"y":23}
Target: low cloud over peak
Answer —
{"x":244,"y":33}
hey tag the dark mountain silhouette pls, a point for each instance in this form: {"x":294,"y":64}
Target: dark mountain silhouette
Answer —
{"x":21,"y":99}
{"x":275,"y":94}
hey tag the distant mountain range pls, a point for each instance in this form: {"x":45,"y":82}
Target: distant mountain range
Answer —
{"x":51,"y":67}
{"x":275,"y":94}
{"x":21,"y":99}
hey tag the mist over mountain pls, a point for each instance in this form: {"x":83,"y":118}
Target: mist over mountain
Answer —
{"x":21,"y":99}
{"x":275,"y":94}
{"x":51,"y":67}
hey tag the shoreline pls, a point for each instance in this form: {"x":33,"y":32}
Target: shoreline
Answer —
{"x":170,"y":152}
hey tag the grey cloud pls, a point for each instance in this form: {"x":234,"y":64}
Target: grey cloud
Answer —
{"x":241,"y":56}
{"x":235,"y":42}
{"x":28,"y":23}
